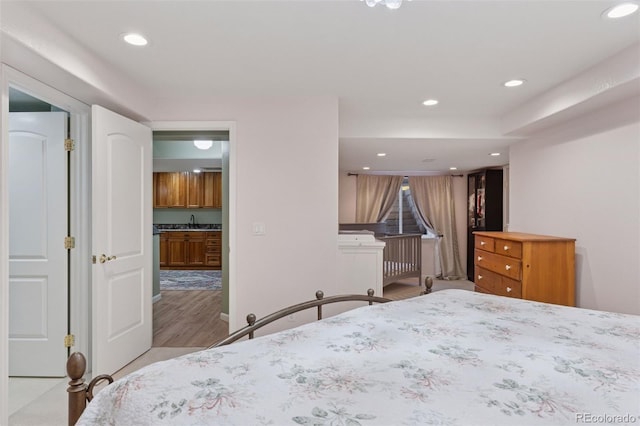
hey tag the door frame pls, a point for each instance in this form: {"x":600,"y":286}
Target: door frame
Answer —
{"x":229,"y":208}
{"x":80,"y":209}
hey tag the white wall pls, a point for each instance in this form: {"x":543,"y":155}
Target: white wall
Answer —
{"x":582,"y":180}
{"x":296,"y":199}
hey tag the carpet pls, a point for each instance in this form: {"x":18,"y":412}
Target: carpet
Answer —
{"x":190,"y":279}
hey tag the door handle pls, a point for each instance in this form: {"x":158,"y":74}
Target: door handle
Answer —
{"x":104,"y":258}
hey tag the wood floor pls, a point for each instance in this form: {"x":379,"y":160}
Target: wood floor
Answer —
{"x":191,"y":318}
{"x":188,"y":318}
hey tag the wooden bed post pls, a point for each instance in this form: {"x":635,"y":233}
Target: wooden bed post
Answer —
{"x":80,"y":392}
{"x":77,"y":390}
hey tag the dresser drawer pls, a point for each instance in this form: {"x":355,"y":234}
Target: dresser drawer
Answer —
{"x":509,"y":248}
{"x":491,"y":282}
{"x":503,"y":265}
{"x":484,"y":243}
{"x":481,"y":290}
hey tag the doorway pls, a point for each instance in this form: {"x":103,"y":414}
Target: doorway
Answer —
{"x":38,"y":227}
{"x":188,"y":219}
{"x":42,"y":185}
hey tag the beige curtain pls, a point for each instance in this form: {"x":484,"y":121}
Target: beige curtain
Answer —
{"x":433,"y":196}
{"x":375,"y":196}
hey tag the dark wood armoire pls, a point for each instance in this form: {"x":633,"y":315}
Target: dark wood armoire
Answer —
{"x":484,"y":208}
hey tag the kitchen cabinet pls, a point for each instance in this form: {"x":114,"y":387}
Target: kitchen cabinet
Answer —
{"x":190,"y":250}
{"x":212,"y":194}
{"x":484,"y":208}
{"x":194,"y":190}
{"x":525,"y":266}
{"x":169,"y":190}
{"x":187,"y":190}
{"x":213,"y":250}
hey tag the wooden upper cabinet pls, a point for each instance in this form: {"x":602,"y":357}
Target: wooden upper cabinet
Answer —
{"x":187,"y":190}
{"x":212,"y":189}
{"x":169,"y":189}
{"x":195,"y":191}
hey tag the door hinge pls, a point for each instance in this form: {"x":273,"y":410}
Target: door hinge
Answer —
{"x":69,"y":340}
{"x":69,"y":243}
{"x":69,"y":145}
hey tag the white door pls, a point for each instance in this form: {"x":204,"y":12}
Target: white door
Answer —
{"x":37,"y":257}
{"x":122,"y":240}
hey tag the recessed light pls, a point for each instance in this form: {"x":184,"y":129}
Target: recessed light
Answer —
{"x":382,"y":154}
{"x":621,"y":10}
{"x":453,"y":168}
{"x":430,"y":102}
{"x":514,"y":83}
{"x":135,"y":39}
{"x":366,"y":168}
{"x":494,"y":154}
{"x":196,"y":170}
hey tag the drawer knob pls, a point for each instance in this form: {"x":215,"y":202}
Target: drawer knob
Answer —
{"x":482,"y":243}
{"x":506,"y":248}
{"x":479,"y":258}
{"x":509,"y":289}
{"x":479,"y":277}
{"x":507,"y":267}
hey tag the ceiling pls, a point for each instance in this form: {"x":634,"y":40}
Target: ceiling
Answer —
{"x":381,"y":64}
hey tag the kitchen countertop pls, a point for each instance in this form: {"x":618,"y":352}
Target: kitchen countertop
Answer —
{"x":190,"y":228}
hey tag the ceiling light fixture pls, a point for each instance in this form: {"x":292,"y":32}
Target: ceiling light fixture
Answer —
{"x":453,"y":168}
{"x":200,"y":144}
{"x":514,"y":83}
{"x":135,"y":39}
{"x":495,"y":154}
{"x":621,"y":10}
{"x":196,"y":170}
{"x":391,"y":4}
{"x":430,"y":102}
{"x":382,"y":154}
{"x":366,"y":168}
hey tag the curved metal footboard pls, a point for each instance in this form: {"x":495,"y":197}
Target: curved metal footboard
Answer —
{"x":80,"y":393}
{"x":254,"y":324}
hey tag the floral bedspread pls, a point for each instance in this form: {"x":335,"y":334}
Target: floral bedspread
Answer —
{"x":453,"y":357}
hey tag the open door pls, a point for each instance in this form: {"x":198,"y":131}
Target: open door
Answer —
{"x":38,"y":273}
{"x":122,"y":240}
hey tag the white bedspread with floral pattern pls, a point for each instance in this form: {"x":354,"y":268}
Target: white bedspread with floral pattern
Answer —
{"x":449,"y":358}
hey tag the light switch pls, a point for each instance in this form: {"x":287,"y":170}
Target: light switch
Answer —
{"x":259,"y":228}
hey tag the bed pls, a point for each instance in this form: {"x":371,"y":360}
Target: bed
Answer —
{"x":453,"y":357}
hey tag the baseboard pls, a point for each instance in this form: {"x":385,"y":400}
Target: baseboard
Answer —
{"x":224,"y":317}
{"x":156,"y":298}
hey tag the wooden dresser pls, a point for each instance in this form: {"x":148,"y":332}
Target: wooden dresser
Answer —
{"x":525,"y":266}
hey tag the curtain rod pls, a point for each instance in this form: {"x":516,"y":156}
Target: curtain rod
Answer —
{"x":356,"y":174}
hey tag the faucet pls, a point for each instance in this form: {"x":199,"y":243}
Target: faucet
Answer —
{"x":192,"y":222}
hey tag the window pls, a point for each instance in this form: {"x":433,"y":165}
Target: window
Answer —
{"x":404,"y":218}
